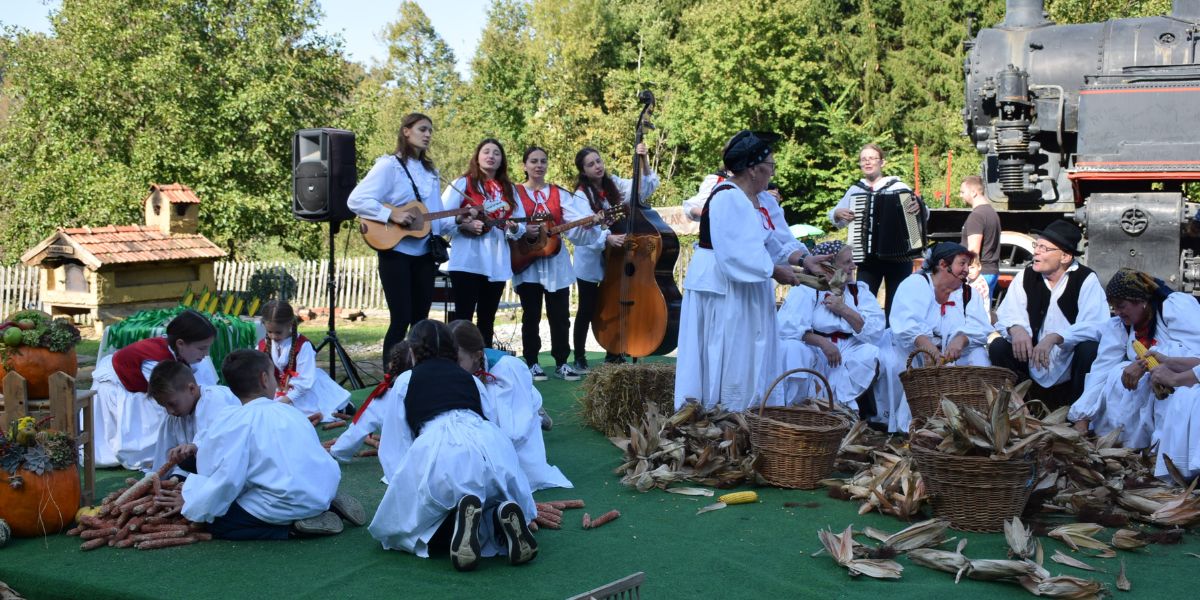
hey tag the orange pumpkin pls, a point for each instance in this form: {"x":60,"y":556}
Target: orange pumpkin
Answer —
{"x":44,"y":505}
{"x":36,"y":365}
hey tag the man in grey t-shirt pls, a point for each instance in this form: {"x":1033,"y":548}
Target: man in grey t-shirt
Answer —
{"x":981,"y":231}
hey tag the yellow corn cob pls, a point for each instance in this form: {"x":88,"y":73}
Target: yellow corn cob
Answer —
{"x":203,"y":301}
{"x":1142,"y":352}
{"x":237,"y":306}
{"x":739,"y":498}
{"x":188,"y":297}
{"x":253,"y":310}
{"x":228,"y":304}
{"x":212,"y":304}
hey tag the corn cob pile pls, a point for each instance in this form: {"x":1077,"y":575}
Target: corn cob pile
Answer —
{"x":129,"y":517}
{"x":709,"y":448}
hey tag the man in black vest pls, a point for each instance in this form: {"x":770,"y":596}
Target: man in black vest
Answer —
{"x":1051,"y":315}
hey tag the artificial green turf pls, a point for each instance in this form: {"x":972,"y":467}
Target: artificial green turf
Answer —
{"x":746,"y":551}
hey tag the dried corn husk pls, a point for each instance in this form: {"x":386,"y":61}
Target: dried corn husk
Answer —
{"x":1079,"y":535}
{"x":1063,"y":586}
{"x":1128,"y":539}
{"x":1021,"y":543}
{"x":918,"y":535}
{"x":942,"y":560}
{"x":841,"y":548}
{"x":1005,"y":569}
{"x":1064,"y":559}
{"x":1183,"y":510}
{"x":710,"y":448}
{"x":1123,"y":583}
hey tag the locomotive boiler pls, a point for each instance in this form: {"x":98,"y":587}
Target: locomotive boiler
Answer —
{"x":1098,"y":122}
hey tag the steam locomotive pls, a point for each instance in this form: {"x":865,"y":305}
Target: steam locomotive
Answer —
{"x":1097,"y":122}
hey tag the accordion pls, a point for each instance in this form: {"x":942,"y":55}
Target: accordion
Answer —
{"x":883,"y":229}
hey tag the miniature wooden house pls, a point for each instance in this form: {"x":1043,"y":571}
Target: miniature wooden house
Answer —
{"x":114,"y":271}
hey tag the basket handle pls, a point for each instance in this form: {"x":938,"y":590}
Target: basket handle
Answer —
{"x":786,"y":374}
{"x":914,"y":353}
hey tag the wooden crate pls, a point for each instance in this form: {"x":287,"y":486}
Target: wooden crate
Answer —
{"x":65,"y":404}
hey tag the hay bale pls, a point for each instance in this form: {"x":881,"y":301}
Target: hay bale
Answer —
{"x":615,"y":396}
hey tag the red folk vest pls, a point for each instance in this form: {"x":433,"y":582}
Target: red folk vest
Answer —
{"x":551,"y":204}
{"x":127,"y":362}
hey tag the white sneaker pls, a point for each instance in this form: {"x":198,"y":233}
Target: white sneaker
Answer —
{"x":537,"y":372}
{"x":565,"y":371}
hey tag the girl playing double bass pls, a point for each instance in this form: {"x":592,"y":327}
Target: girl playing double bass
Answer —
{"x":601,"y":191}
{"x":549,"y":277}
{"x":480,"y":262}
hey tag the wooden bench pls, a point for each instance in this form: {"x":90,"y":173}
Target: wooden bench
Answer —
{"x":64,"y":404}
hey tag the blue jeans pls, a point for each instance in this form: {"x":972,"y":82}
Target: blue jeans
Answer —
{"x":991,"y":279}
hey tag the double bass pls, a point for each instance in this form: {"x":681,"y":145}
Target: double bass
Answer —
{"x":638,"y":303}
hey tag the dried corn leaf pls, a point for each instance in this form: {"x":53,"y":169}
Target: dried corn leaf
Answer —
{"x":690,"y":491}
{"x":1128,"y":539}
{"x":918,"y":535}
{"x":711,"y":507}
{"x":1063,"y":586}
{"x":876,"y":568}
{"x":841,"y":548}
{"x":1079,"y":535}
{"x":1021,"y":543}
{"x":986,"y":569}
{"x":943,"y":560}
{"x":1123,"y":583}
{"x":1064,"y":559}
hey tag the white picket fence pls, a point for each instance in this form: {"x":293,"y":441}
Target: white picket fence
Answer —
{"x":19,"y":288}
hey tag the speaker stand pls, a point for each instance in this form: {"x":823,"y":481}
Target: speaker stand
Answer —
{"x":337,"y":352}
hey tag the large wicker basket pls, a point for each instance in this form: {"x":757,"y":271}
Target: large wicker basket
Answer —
{"x":796,"y":446}
{"x":925,"y":386}
{"x":975,"y":493}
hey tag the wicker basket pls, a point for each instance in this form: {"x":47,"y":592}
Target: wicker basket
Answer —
{"x":925,"y":386}
{"x":796,"y":446}
{"x":975,"y":493}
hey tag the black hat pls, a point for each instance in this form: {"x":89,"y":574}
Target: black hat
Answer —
{"x":945,"y":251}
{"x":744,"y":150}
{"x":1062,"y":233}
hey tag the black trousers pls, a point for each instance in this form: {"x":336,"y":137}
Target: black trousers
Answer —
{"x":558,"y":309}
{"x":588,"y":292}
{"x":474,"y":293}
{"x":237,"y":524}
{"x":874,"y":272}
{"x":1001,"y":353}
{"x":408,"y":289}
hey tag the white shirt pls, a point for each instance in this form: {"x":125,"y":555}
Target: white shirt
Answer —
{"x":267,"y":457}
{"x":1093,"y":313}
{"x":696,"y":203}
{"x":486,"y":254}
{"x":386,"y":183}
{"x":556,"y":272}
{"x":589,"y":257}
{"x":916,"y":312}
{"x":176,"y":431}
{"x":804,"y":311}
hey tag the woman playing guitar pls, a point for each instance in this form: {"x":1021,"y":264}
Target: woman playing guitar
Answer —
{"x":480,"y":263}
{"x":406,"y":271}
{"x":551,"y":276}
{"x":601,"y":191}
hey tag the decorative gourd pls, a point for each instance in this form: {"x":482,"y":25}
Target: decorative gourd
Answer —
{"x":5,"y":533}
{"x":42,"y":504}
{"x":37,"y":364}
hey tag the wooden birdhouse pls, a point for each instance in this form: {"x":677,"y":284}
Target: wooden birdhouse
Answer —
{"x":114,"y":271}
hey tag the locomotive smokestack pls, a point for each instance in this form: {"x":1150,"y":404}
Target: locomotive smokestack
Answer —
{"x":1188,"y":10}
{"x":1019,"y":14}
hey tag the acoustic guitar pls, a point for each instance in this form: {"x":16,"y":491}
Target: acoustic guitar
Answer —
{"x":524,"y":251}
{"x":385,"y":236}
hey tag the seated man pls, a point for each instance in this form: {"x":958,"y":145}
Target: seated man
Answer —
{"x":1051,"y":316}
{"x":936,"y":313}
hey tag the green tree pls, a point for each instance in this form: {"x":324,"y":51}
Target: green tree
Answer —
{"x":125,"y":93}
{"x":502,"y":93}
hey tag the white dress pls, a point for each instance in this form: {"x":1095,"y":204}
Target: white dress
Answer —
{"x":916,"y":312}
{"x":457,"y":453}
{"x":516,"y":403}
{"x":127,"y":423}
{"x":310,"y":389}
{"x":266,"y":457}
{"x":804,"y":311}
{"x":1106,"y":402}
{"x":1177,"y":432}
{"x":727,"y":331}
{"x":176,"y":431}
{"x":1093,"y":313}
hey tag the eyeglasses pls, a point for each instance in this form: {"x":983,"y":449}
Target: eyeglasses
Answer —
{"x":869,"y":160}
{"x":1043,"y":248}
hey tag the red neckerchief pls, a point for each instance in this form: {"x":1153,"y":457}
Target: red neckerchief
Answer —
{"x":542,"y":204}
{"x":379,"y":390}
{"x":945,"y":304}
{"x":491,"y":189}
{"x":766,"y":216}
{"x":485,"y":377}
{"x":283,"y":377}
{"x":127,"y":362}
{"x":1143,"y":335}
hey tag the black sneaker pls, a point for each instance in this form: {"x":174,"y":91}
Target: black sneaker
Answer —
{"x":581,"y":366}
{"x":464,"y":544}
{"x":535,"y":370}
{"x":614,"y":359}
{"x":522,"y":547}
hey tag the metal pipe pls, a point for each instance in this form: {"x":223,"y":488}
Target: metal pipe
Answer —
{"x":1028,"y":13}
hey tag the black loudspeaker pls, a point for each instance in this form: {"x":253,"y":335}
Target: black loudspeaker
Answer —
{"x":323,"y":174}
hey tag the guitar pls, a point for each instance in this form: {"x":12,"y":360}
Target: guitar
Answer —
{"x":524,"y":251}
{"x":385,"y":236}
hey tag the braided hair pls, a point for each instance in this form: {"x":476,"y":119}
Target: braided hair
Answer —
{"x":431,"y":339}
{"x":400,"y":359}
{"x":279,"y":312}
